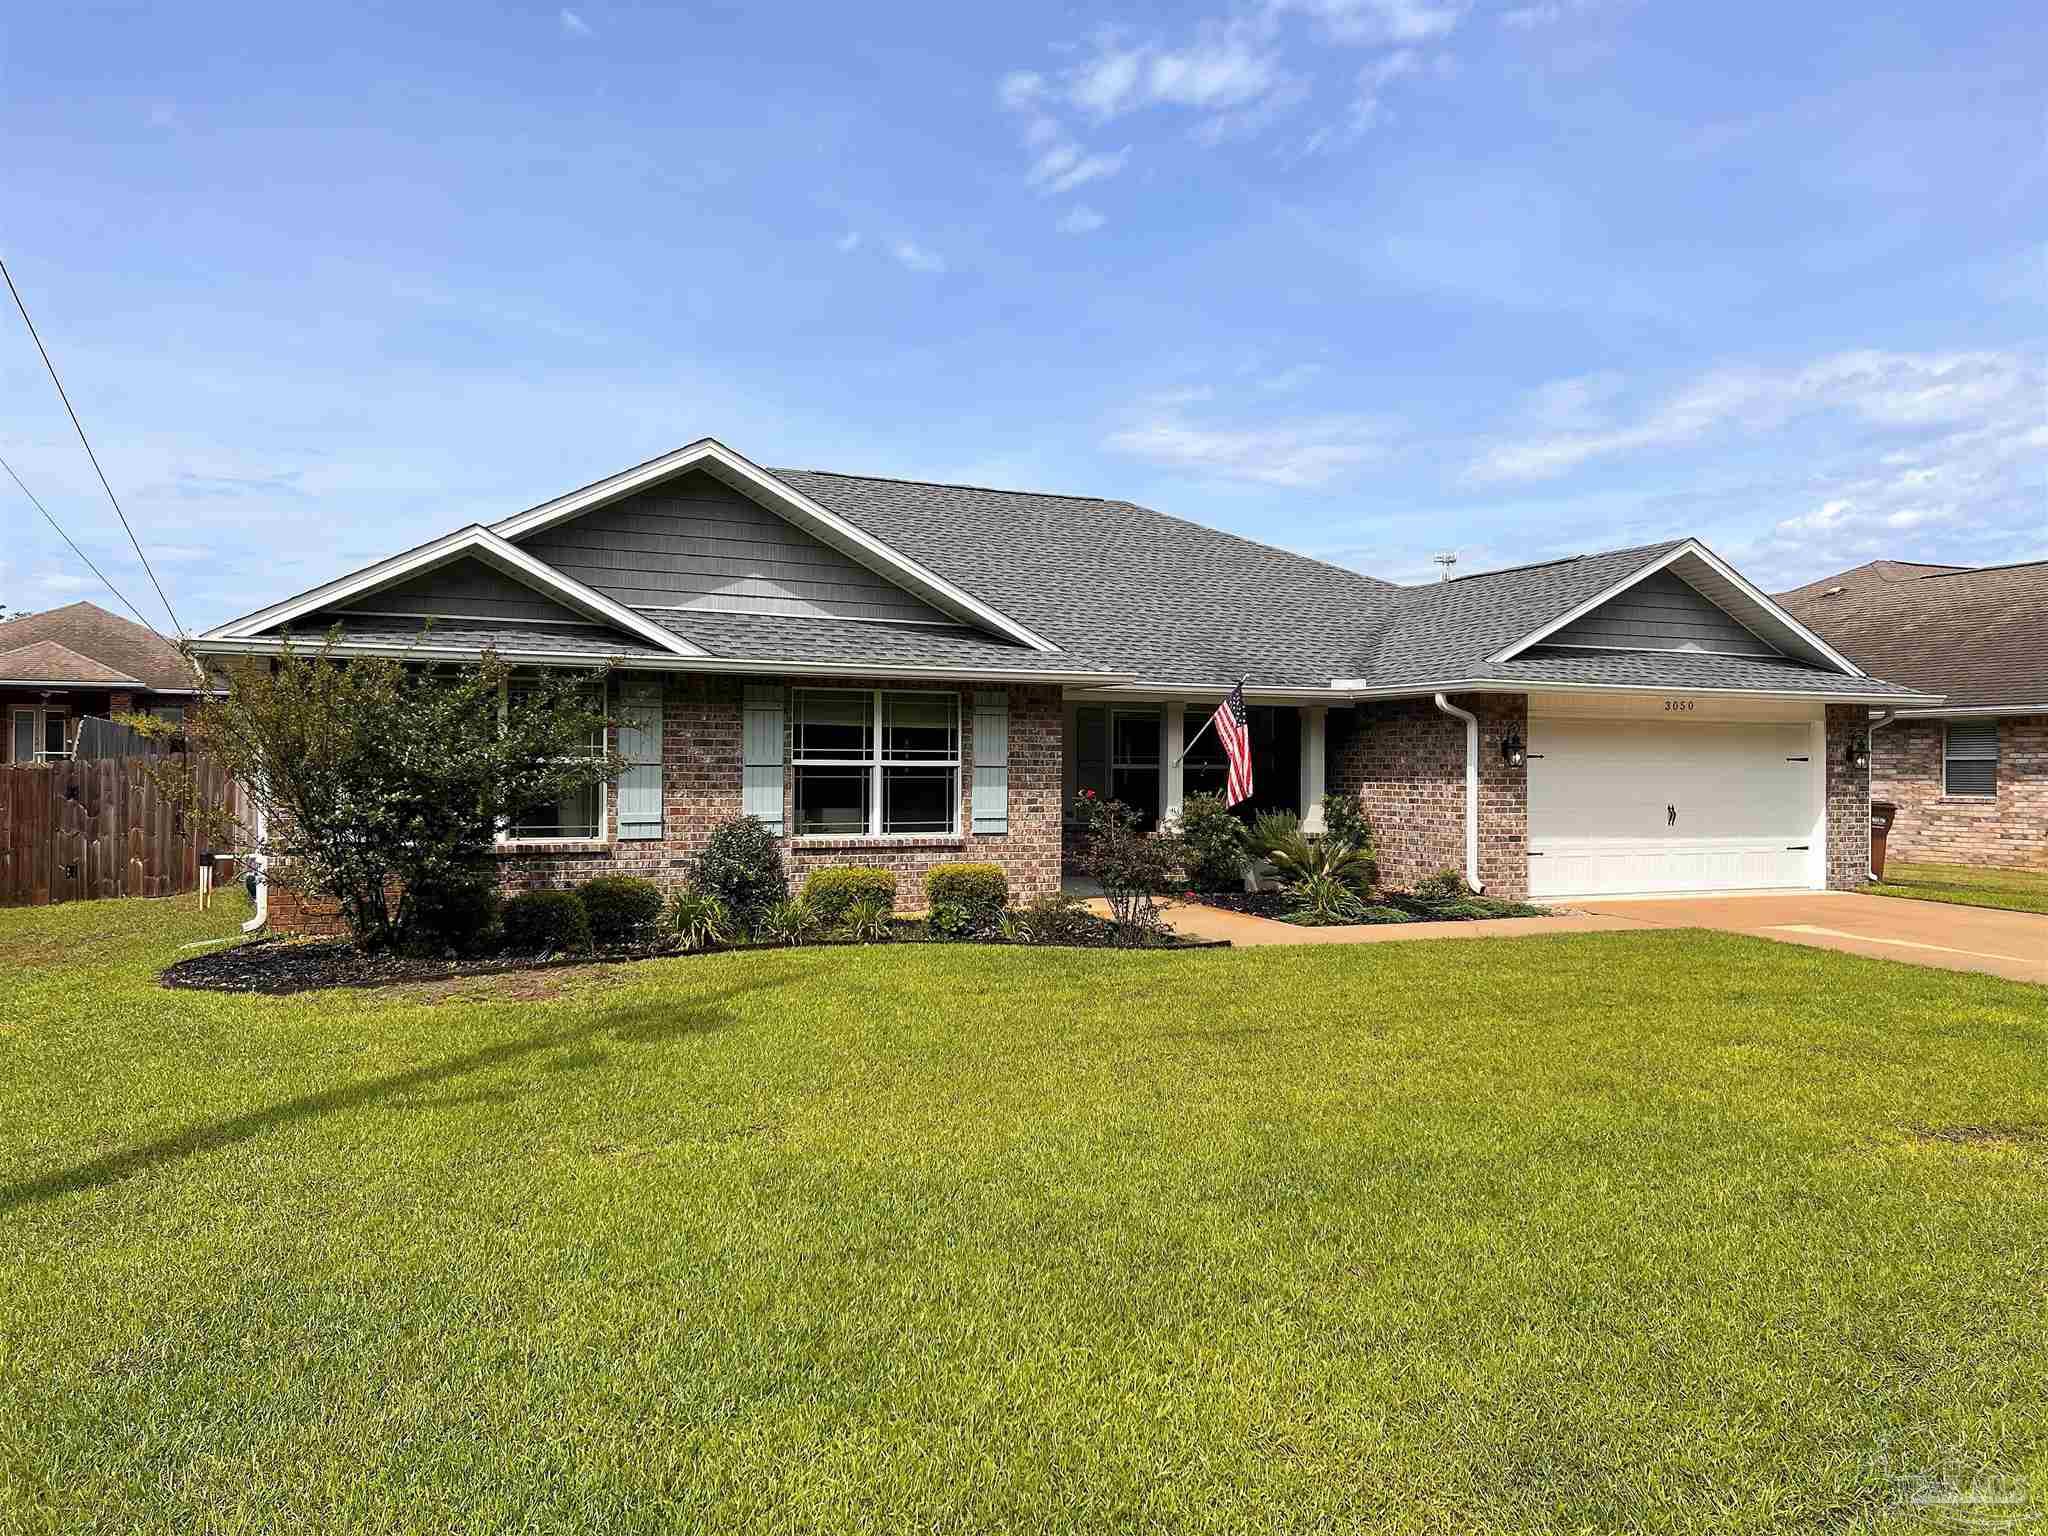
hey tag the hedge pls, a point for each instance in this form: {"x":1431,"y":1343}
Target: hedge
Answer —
{"x":983,"y":890}
{"x":829,"y":892}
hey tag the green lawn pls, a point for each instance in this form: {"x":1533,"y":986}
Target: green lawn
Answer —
{"x":2016,"y":890}
{"x":1654,"y":1230}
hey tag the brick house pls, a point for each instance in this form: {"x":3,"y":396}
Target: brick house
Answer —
{"x":1970,"y":778}
{"x":73,"y":663}
{"x":900,"y":673}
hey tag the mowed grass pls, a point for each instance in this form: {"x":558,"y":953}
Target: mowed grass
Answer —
{"x":1658,"y":1231}
{"x":2015,"y":890}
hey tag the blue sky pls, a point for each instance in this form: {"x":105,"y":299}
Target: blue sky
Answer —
{"x":1364,"y":278}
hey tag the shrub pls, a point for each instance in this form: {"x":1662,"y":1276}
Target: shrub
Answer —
{"x":1058,"y":918}
{"x":950,"y":920}
{"x":829,"y":892}
{"x":867,"y":920}
{"x":457,"y":916}
{"x":1323,"y":899}
{"x":1344,"y":820}
{"x":1132,"y":865}
{"x":1217,"y":846}
{"x":742,"y":866}
{"x":538,"y":922}
{"x":981,"y":890}
{"x":1301,"y":859}
{"x":789,"y":922}
{"x":621,"y":907}
{"x":1444,"y":885}
{"x":700,"y":920}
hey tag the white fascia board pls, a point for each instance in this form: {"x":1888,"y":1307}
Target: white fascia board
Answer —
{"x":1359,"y":691}
{"x":474,"y":540}
{"x":266,"y":645}
{"x":1699,"y":551}
{"x":1131,"y":691}
{"x":788,"y":502}
{"x":1979,"y":711}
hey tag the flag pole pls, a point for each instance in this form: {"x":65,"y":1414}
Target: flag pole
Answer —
{"x":1206,"y":724}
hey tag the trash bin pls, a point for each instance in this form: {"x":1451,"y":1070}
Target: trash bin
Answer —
{"x":1882,"y":814}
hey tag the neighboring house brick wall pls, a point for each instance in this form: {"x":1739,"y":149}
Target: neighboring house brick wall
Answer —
{"x":2008,"y":830}
{"x":1404,"y":760}
{"x":701,"y":787}
{"x":1848,"y":800}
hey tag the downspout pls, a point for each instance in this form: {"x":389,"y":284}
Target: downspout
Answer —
{"x":260,"y":863}
{"x":1471,"y":788}
{"x":1878,"y":722}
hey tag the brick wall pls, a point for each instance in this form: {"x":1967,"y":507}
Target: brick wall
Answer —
{"x":1404,"y":759}
{"x":2007,"y":830}
{"x":1848,"y":799}
{"x":702,"y":786}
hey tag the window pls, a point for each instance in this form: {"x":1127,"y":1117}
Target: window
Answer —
{"x":577,"y":815}
{"x":23,"y":743}
{"x":1206,"y":770}
{"x":1134,"y":762}
{"x":170,"y":714}
{"x":876,"y":764}
{"x":40,"y":736}
{"x":1970,"y":757}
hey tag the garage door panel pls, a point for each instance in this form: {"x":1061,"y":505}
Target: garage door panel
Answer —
{"x":1638,"y":805}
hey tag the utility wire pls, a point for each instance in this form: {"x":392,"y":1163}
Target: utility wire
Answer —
{"x":31,"y":495}
{"x":52,"y":367}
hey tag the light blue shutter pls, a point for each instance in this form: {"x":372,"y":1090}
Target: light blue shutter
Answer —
{"x":991,"y":762}
{"x":640,"y":746}
{"x":763,"y":738}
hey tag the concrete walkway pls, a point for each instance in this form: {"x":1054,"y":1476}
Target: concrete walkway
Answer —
{"x":1955,"y":938}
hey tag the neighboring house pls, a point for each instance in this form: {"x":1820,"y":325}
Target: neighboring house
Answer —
{"x":1970,"y":778}
{"x":59,"y":667}
{"x":899,"y":673}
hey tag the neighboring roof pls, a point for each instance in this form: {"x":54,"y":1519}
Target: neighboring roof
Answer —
{"x":133,"y":654}
{"x":1688,"y":670}
{"x":1121,"y":586}
{"x":48,"y":662}
{"x":1980,"y":636}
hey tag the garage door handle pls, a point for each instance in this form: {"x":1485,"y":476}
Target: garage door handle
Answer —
{"x":1670,"y":815}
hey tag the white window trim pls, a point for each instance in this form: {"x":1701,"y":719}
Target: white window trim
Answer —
{"x":506,"y":835}
{"x":874,"y":763}
{"x":1948,"y":757}
{"x":39,"y":754}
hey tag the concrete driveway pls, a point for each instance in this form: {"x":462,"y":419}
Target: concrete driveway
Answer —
{"x":2009,"y":944}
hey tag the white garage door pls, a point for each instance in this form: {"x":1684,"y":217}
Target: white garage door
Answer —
{"x":1642,"y":805}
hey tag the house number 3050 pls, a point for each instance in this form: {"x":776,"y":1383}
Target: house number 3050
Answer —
{"x":1679,"y":706}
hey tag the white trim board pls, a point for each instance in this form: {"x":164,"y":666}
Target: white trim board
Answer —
{"x":1803,"y":638}
{"x":785,"y":500}
{"x":479,"y":542}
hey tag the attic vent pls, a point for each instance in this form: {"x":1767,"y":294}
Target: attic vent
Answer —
{"x":1832,"y":592}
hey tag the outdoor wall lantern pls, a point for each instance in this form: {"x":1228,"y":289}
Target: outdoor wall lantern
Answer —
{"x":1856,"y":755}
{"x":1511,"y":749}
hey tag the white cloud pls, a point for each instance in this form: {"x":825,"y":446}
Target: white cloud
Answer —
{"x":1066,"y":166}
{"x":1882,"y":389}
{"x":574,"y":25}
{"x":1080,"y":220}
{"x":1310,"y":451}
{"x":1225,"y":71}
{"x":1380,"y":21}
{"x":1108,"y":83}
{"x":1020,"y":88}
{"x":916,"y":258}
{"x":848,"y":242}
{"x":64,"y":581}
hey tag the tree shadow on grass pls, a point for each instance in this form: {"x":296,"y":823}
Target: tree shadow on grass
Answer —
{"x":644,"y":1024}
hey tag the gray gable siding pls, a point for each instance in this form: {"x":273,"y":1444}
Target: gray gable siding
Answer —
{"x":466,"y":589}
{"x":1662,"y":613}
{"x":695,"y":543}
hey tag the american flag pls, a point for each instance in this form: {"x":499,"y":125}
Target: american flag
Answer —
{"x":1233,"y":728}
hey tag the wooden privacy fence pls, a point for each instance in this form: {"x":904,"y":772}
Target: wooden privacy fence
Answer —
{"x":79,"y":830}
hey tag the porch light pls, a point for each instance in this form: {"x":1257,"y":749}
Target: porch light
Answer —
{"x":1856,"y":754}
{"x":1511,"y":749}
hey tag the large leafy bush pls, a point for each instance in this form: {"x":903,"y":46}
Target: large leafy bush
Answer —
{"x":741,"y":865}
{"x":622,"y":908}
{"x":1217,"y":845}
{"x":980,"y":891}
{"x":830,"y":893}
{"x":539,"y":922}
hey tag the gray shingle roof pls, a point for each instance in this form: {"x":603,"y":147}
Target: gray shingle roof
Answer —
{"x":508,"y":637}
{"x":1121,"y":586}
{"x":1684,"y":669}
{"x":778,"y":637}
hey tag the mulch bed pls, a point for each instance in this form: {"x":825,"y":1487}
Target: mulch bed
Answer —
{"x":277,"y":967}
{"x":1381,"y":907}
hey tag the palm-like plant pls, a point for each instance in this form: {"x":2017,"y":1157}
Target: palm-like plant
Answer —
{"x":1301,"y":859}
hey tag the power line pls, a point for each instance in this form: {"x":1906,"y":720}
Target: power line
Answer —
{"x":52,"y":367}
{"x":31,"y":495}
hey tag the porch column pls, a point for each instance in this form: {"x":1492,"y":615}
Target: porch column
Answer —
{"x":1172,"y":778}
{"x":1314,"y":722}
